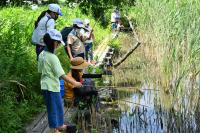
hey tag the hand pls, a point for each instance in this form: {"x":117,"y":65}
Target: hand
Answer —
{"x":78,"y":85}
{"x":71,"y":58}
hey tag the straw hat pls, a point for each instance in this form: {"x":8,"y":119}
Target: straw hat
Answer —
{"x":78,"y":63}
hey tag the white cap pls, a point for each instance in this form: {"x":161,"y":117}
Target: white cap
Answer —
{"x":55,"y":8}
{"x":86,"y":21}
{"x":55,"y":35}
{"x":78,"y":22}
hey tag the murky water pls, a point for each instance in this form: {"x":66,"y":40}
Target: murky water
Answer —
{"x":148,"y":113}
{"x":149,"y":109}
{"x":140,"y":104}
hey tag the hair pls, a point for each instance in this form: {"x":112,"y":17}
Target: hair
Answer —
{"x":75,"y":26}
{"x":76,"y":75}
{"x":49,"y":43}
{"x":40,"y":17}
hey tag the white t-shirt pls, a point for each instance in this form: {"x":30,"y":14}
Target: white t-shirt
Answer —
{"x":87,"y":35}
{"x":44,"y":25}
{"x":113,"y":16}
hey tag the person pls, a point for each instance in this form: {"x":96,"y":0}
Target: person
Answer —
{"x":75,"y":39}
{"x":51,"y":71}
{"x":119,"y":25}
{"x":115,"y":17}
{"x":89,"y":42}
{"x":71,"y":92}
{"x":45,"y":21}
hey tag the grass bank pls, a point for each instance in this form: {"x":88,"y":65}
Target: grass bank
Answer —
{"x":20,"y":95}
{"x":169,"y":31}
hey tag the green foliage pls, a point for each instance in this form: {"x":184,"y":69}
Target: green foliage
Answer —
{"x":173,"y":27}
{"x":94,"y":69}
{"x":115,"y":43}
{"x":20,"y":93}
{"x":100,"y":8}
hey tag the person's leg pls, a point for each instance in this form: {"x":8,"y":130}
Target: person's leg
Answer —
{"x":50,"y":109}
{"x":91,"y":51}
{"x":54,"y":109}
{"x":86,"y":51}
{"x":59,"y":109}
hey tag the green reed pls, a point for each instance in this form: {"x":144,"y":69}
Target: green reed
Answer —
{"x":171,"y":30}
{"x":20,"y":95}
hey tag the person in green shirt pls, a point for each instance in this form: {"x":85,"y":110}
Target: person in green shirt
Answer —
{"x":51,"y":71}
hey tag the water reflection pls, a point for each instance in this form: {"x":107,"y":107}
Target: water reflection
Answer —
{"x":148,"y":113}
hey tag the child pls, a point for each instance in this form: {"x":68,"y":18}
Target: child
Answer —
{"x":50,"y":68}
{"x":89,"y":42}
{"x":71,"y":92}
{"x":75,"y":47}
{"x":45,"y":21}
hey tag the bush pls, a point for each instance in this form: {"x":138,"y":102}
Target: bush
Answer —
{"x":20,"y":93}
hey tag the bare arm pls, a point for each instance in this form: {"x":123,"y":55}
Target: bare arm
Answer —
{"x":70,"y":42}
{"x":69,"y":52}
{"x":74,"y":82}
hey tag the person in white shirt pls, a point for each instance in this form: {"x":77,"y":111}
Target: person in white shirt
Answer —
{"x":115,"y":17}
{"x":89,"y":42}
{"x":45,"y":22}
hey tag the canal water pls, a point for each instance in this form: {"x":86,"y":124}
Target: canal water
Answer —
{"x":141,"y":104}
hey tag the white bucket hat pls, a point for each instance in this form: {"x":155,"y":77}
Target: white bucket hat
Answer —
{"x":78,"y":22}
{"x":55,"y":35}
{"x":86,"y":21}
{"x":55,"y":8}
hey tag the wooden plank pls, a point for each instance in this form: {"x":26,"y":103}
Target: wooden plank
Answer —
{"x":35,"y":122}
{"x":41,"y":125}
{"x":47,"y":129}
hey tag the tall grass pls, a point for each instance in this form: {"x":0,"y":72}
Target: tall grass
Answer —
{"x":20,"y":95}
{"x":171,"y":29}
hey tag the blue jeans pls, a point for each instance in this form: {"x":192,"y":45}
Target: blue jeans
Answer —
{"x":88,"y":51}
{"x":55,"y":109}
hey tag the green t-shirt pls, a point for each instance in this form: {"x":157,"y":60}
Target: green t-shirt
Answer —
{"x":50,"y":68}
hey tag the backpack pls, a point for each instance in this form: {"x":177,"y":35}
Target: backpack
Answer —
{"x":65,"y":32}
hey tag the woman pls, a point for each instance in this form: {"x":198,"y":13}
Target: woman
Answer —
{"x":50,"y":68}
{"x":45,"y":21}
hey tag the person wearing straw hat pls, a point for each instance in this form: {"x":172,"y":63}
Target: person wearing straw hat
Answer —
{"x":77,"y":66}
{"x":51,"y":71}
{"x":71,"y":92}
{"x":45,"y":21}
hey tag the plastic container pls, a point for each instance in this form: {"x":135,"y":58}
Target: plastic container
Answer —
{"x":62,"y":88}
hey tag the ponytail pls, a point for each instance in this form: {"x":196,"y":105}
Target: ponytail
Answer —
{"x":39,"y":18}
